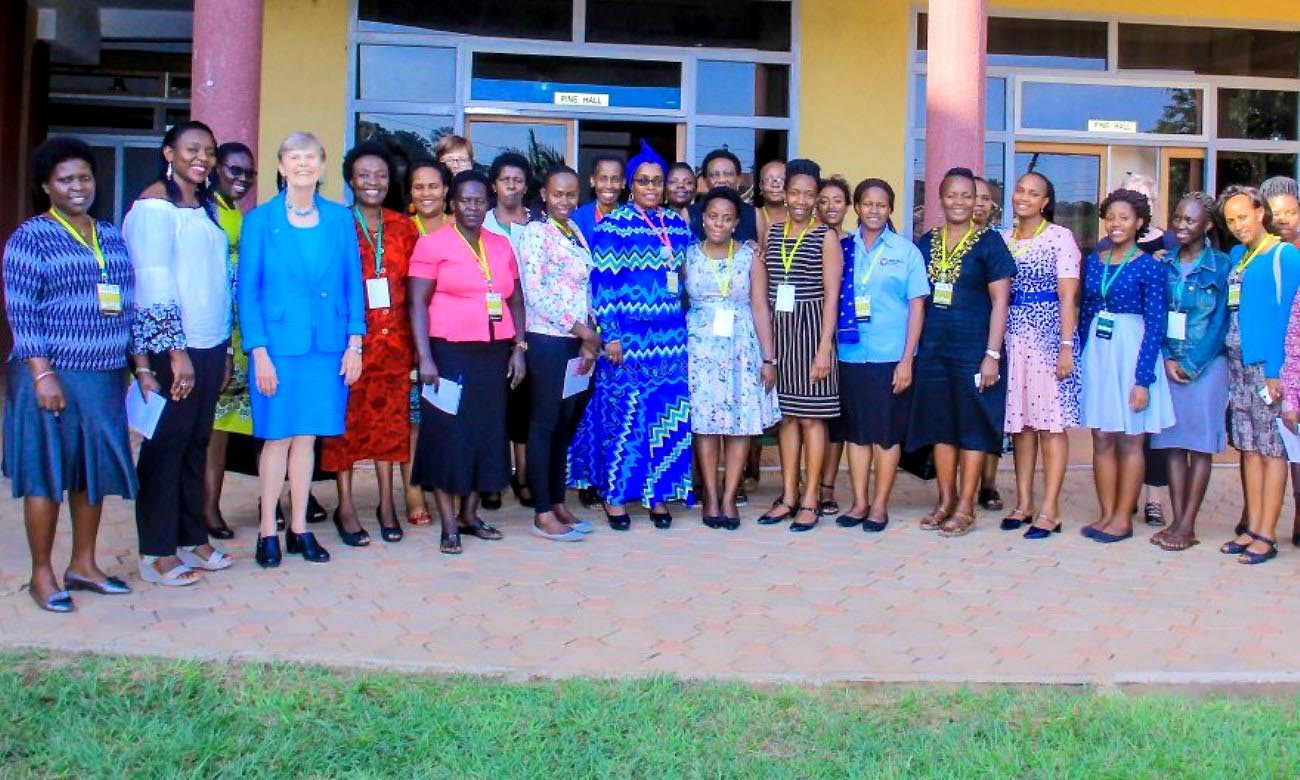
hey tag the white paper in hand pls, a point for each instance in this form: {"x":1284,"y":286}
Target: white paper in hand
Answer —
{"x":1289,"y":440}
{"x":446,"y":397}
{"x":574,"y":381}
{"x":142,"y":415}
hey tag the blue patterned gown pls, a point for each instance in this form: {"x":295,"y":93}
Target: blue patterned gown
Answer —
{"x":634,"y":442}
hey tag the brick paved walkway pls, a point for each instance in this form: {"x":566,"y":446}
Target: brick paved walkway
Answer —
{"x":759,"y":604}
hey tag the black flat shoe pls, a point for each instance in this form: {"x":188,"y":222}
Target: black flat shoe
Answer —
{"x":799,"y":528}
{"x":662,"y":520}
{"x":848,"y":521}
{"x":522,"y":493}
{"x":315,"y":512}
{"x":490,"y":501}
{"x":770,"y":519}
{"x":1013,"y":523}
{"x":268,"y":551}
{"x":874,"y":526}
{"x":305,"y":544}
{"x":221,"y":531}
{"x":389,"y":533}
{"x":713,"y":522}
{"x":1038,"y":532}
{"x":730,"y":523}
{"x":990,"y":499}
{"x":827,"y":506}
{"x":111,"y":586}
{"x":618,"y":522}
{"x":359,"y":538}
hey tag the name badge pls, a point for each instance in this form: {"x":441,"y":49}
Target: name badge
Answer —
{"x":494,"y":307}
{"x":1105,"y":325}
{"x":724,"y":322}
{"x":785,"y":298}
{"x":1265,"y":395}
{"x":674,"y":282}
{"x":1177,"y":328}
{"x":1234,"y":295}
{"x":943,"y":294}
{"x":377,"y":293}
{"x":110,"y":298}
{"x":862,"y":308}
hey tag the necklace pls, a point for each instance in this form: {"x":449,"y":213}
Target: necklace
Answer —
{"x":297,"y":212}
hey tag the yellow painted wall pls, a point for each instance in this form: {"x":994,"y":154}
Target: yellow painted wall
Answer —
{"x":304,"y":83}
{"x":1181,"y":11}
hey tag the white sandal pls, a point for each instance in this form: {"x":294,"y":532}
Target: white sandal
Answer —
{"x":215,"y":562}
{"x":176,"y":577}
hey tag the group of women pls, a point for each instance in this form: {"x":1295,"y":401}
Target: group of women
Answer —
{"x":621,"y":346}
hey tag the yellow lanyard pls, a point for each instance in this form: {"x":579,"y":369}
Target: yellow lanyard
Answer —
{"x":568,"y":233}
{"x":1246,"y":260}
{"x":93,"y":246}
{"x":1021,"y":245}
{"x":723,"y":280}
{"x":787,"y":258}
{"x":419,"y":226}
{"x":947,"y":261}
{"x":480,"y":255}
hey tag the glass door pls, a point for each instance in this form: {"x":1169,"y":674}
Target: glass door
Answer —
{"x":1076,"y":171}
{"x":545,"y":142}
{"x":1181,"y":171}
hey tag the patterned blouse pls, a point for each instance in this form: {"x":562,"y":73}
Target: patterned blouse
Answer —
{"x":51,"y":299}
{"x":556,"y":271}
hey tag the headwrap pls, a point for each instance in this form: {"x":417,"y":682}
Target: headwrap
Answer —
{"x":646,"y":155}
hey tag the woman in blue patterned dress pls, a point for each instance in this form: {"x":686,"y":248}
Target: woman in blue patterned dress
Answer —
{"x":732,"y":368}
{"x":634,"y":442}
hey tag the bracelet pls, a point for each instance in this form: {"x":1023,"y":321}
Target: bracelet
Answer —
{"x":144,"y":370}
{"x":1067,"y":343}
{"x":42,"y":375}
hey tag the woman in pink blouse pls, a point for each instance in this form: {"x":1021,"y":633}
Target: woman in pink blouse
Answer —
{"x":556,"y":262}
{"x":464,"y":306}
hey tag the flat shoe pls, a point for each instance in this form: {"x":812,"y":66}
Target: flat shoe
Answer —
{"x":1153,"y":515}
{"x":990,"y":499}
{"x":1250,"y":558}
{"x":481,"y":530}
{"x":1104,"y":538}
{"x":1013,"y":521}
{"x":958,"y":525}
{"x":59,"y":601}
{"x":799,"y":528}
{"x":582,"y":526}
{"x":848,"y":521}
{"x":874,"y":526}
{"x":769,"y":519}
{"x":172,"y":578}
{"x":571,"y":535}
{"x":937,"y":517}
{"x":111,"y":586}
{"x":1233,"y":547}
{"x":215,"y":562}
{"x":730,"y":523}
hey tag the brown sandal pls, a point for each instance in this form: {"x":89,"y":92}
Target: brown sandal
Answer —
{"x":959,"y":524}
{"x":937,"y":517}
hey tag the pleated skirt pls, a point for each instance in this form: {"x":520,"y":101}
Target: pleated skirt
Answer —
{"x":84,"y":448}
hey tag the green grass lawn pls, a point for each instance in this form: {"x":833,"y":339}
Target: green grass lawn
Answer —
{"x":104,"y":717}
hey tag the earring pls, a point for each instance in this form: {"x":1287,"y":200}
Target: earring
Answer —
{"x":169,"y":171}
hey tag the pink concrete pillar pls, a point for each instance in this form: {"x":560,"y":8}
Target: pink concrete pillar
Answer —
{"x":227,"y":69}
{"x":954,"y":93}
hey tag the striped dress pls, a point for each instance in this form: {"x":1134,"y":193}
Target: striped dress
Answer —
{"x":798,"y":332}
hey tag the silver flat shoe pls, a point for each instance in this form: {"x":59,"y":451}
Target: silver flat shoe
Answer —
{"x":111,"y":586}
{"x":583,"y":527}
{"x":572,"y":535}
{"x":59,"y":601}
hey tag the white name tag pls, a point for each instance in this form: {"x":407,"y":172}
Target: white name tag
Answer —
{"x":377,"y":294}
{"x":724,"y":322}
{"x":785,"y":297}
{"x":1177,"y":328}
{"x":674,"y":282}
{"x":1234,"y":295}
{"x":942,"y":294}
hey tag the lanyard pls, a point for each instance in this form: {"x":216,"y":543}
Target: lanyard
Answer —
{"x":376,"y":242}
{"x":724,"y":281}
{"x":947,"y":261}
{"x":93,"y":246}
{"x":480,"y":255}
{"x":661,"y":233}
{"x":1021,"y":245}
{"x":787,"y":258}
{"x":1249,"y":257}
{"x":419,"y":226}
{"x":1108,"y":278}
{"x":877,"y":247}
{"x":568,"y":233}
{"x":1182,"y":281}
{"x":602,"y":214}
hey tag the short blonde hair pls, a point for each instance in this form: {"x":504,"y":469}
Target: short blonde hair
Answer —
{"x":298,"y":141}
{"x":450,"y":143}
{"x":1140,"y":182}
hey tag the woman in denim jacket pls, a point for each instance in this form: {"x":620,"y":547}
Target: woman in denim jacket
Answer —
{"x":1197,"y":278}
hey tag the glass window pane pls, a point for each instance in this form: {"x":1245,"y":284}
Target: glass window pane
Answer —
{"x":727,"y":24}
{"x":1251,"y":168}
{"x":1221,"y":51}
{"x":1108,"y":108}
{"x":1257,"y":114}
{"x":550,"y":20}
{"x":105,"y":205}
{"x":139,"y":170}
{"x":415,"y":134}
{"x":545,"y":144}
{"x":1186,"y":174}
{"x":742,"y":89}
{"x":754,"y":147}
{"x":1077,"y":179}
{"x":1036,"y":43}
{"x":576,"y":81}
{"x":994,"y":172}
{"x":422,"y":73}
{"x":995,"y":103}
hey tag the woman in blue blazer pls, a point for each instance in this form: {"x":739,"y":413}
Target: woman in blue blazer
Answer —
{"x":302,"y":316}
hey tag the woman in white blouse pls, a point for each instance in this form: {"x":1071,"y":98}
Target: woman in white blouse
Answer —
{"x":554,"y":264}
{"x":183,"y":317}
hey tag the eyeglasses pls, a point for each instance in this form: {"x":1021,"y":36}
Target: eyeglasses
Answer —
{"x":772,"y":181}
{"x":643,"y":181}
{"x":456,"y":160}
{"x":240,"y":172}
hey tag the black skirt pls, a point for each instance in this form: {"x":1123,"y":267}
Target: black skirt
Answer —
{"x":466,"y":452}
{"x":870,"y":412}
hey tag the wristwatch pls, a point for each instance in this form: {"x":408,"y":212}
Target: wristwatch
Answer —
{"x":522,"y":346}
{"x":993,"y":353}
{"x":355,"y":348}
{"x":770,"y":362}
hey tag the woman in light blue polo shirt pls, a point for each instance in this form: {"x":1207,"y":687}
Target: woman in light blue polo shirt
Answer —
{"x":882,"y":309}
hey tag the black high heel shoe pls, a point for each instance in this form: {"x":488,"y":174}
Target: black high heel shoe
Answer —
{"x":220,"y":531}
{"x":305,"y":544}
{"x":389,"y":533}
{"x":315,"y":512}
{"x":662,"y":520}
{"x":359,"y":538}
{"x":268,"y":551}
{"x":519,"y":488}
{"x":618,"y":522}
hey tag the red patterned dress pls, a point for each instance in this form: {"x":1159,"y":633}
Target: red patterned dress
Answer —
{"x":378,"y":426}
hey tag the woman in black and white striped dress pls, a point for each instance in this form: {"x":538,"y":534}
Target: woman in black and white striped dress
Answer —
{"x":804,"y":263}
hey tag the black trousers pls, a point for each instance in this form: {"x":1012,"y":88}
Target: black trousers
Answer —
{"x":553,"y":420}
{"x":169,"y":509}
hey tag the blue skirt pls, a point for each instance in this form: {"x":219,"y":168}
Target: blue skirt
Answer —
{"x":311,"y":399}
{"x":1201,"y":411}
{"x":1107,"y":376}
{"x":84,"y":448}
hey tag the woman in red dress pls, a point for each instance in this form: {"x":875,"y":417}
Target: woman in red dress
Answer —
{"x":377,"y":425}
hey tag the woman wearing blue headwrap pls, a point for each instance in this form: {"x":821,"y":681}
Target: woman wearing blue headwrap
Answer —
{"x":634,"y":442}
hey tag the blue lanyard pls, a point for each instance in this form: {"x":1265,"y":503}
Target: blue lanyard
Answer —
{"x":1108,"y":278}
